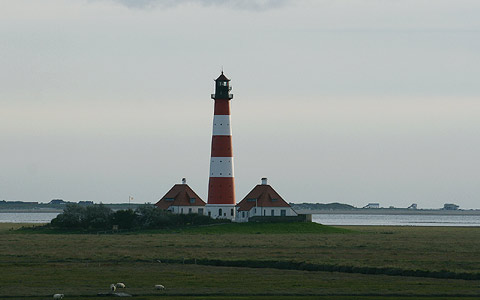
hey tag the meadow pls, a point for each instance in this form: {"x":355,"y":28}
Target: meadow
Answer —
{"x":244,"y":261}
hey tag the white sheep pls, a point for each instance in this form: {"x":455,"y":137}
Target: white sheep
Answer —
{"x":58,"y":296}
{"x":113,"y":287}
{"x":159,"y":287}
{"x":120,"y":285}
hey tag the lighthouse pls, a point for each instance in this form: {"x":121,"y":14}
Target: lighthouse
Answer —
{"x":221,"y":186}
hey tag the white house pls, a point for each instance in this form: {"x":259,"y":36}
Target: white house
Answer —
{"x":181,"y":199}
{"x":263,"y":200}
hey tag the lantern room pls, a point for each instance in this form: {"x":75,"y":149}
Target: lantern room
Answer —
{"x":222,"y":88}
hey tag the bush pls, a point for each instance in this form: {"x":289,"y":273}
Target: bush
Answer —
{"x":76,"y":216}
{"x":71,"y":217}
{"x":100,"y":217}
{"x":149,"y":217}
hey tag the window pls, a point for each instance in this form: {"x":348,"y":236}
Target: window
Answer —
{"x":192,"y":200}
{"x":283,"y":212}
{"x":251,"y":200}
{"x":273,"y":212}
{"x":200,"y":211}
{"x":210,"y":214}
{"x":243,"y":214}
{"x":231,"y":212}
{"x":181,"y":211}
{"x":169,"y":199}
{"x":220,"y":212}
{"x":274,"y":200}
{"x":190,"y":210}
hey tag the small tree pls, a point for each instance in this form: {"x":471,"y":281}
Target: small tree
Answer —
{"x":97,"y":216}
{"x":72,"y":217}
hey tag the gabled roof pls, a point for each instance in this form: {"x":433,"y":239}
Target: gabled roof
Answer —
{"x":180,"y":195}
{"x":263,"y":195}
{"x":222,"y":78}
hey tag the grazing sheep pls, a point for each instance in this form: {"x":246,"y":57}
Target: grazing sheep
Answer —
{"x":113,"y":287}
{"x":120,"y":285}
{"x":58,"y":296}
{"x":159,"y":287}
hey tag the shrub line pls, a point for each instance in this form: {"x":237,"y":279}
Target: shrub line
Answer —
{"x":303,"y":266}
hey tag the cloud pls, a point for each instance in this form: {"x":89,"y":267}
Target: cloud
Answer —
{"x":254,"y":5}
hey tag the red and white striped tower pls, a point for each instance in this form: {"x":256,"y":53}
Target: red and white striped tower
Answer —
{"x":221,"y":186}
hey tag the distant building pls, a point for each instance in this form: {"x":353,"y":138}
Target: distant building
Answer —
{"x":181,"y":199}
{"x":57,"y":202}
{"x":18,"y":202}
{"x":372,"y":205}
{"x":263,"y":200}
{"x":85,"y":202}
{"x":450,"y":206}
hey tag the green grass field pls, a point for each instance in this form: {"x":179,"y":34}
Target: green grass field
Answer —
{"x":38,"y":263}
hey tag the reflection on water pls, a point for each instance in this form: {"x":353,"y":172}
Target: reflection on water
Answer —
{"x":397,"y":220}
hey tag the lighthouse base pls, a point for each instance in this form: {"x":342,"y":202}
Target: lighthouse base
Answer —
{"x":220,"y":211}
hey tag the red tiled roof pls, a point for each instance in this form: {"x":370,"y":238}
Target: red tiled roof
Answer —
{"x":263,"y":195}
{"x":179,"y":195}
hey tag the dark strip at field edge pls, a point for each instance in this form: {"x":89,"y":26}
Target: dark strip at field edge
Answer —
{"x":303,"y":266}
{"x":322,"y":295}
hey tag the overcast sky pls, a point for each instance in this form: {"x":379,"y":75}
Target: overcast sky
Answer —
{"x":334,"y":100}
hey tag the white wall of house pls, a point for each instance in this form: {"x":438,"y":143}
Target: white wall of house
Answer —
{"x":220,"y":211}
{"x":187,"y":209}
{"x":243,"y":216}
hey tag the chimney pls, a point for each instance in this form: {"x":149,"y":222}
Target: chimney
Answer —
{"x":264,"y":181}
{"x":184,"y":181}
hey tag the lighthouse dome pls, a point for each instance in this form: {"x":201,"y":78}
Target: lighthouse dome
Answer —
{"x":222,"y":78}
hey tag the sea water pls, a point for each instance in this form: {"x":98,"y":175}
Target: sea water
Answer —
{"x":397,"y":220}
{"x":326,"y":219}
{"x":27,"y":217}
